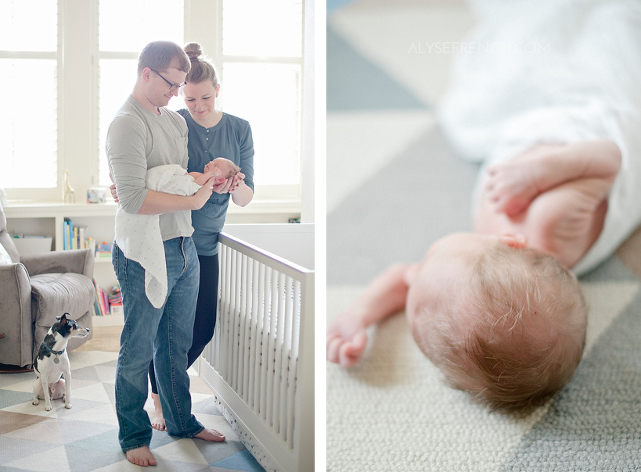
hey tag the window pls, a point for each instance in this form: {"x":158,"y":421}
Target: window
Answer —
{"x":29,"y":65}
{"x":261,"y":81}
{"x":145,"y":21}
{"x":65,"y":93}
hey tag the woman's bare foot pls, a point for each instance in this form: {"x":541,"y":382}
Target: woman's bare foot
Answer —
{"x":210,"y":435}
{"x":141,"y":456}
{"x":346,"y":339}
{"x":513,"y":185}
{"x":158,"y":421}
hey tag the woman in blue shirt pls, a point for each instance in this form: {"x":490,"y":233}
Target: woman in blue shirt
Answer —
{"x":212,"y":134}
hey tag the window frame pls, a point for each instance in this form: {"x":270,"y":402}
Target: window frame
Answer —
{"x":41,"y":193}
{"x":78,"y":57}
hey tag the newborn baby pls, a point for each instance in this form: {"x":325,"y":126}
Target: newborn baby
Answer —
{"x":220,"y":168}
{"x":497,"y":310}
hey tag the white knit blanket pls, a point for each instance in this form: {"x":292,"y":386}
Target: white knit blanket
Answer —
{"x":138,"y":236}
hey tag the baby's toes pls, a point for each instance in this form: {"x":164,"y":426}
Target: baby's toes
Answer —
{"x":515,"y":207}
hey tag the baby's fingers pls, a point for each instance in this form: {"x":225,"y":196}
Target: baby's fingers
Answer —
{"x":350,"y":352}
{"x":334,"y":343}
{"x":114,"y":194}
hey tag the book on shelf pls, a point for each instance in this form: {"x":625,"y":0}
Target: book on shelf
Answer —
{"x":76,"y":237}
{"x":107,"y":301}
{"x":101,"y":303}
{"x":66,"y":237}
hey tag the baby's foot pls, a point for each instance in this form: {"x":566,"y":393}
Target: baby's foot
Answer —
{"x":511,"y":186}
{"x":141,"y":456}
{"x":346,"y":339}
{"x":158,"y":420}
{"x":210,"y":435}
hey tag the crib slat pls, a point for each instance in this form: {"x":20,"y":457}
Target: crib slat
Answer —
{"x":247,"y":328}
{"x":251,"y":328}
{"x":293,"y":362}
{"x":235,"y":312}
{"x":278,"y":351}
{"x":241,"y":326}
{"x":286,"y":348}
{"x":273,"y":324}
{"x":226,"y":310}
{"x":229,"y":328}
{"x":265,"y":366}
{"x":233,"y":318}
{"x":259,"y":339}
{"x":252,"y":355}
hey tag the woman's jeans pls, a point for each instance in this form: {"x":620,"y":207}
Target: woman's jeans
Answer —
{"x":164,"y":334}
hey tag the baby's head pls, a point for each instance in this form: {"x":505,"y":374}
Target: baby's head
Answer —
{"x":501,"y":321}
{"x":226,"y":169}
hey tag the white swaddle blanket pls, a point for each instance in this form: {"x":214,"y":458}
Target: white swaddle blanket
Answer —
{"x":554,"y":71}
{"x":138,"y":236}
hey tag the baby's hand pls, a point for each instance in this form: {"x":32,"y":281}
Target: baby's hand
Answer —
{"x":346,"y":340}
{"x":112,"y":188}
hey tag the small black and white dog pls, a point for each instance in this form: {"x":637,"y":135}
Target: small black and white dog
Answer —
{"x":52,"y":362}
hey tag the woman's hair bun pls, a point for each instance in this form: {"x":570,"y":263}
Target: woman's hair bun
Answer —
{"x":193,"y":50}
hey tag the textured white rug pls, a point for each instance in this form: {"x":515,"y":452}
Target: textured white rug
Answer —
{"x":394,"y":412}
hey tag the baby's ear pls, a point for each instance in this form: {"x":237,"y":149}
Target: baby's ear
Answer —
{"x":516,"y":241}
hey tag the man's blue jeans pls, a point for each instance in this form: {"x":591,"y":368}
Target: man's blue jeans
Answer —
{"x":162,"y":333}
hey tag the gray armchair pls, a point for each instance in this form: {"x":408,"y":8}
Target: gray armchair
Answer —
{"x":36,"y":289}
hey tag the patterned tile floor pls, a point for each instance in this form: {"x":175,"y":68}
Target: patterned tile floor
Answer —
{"x":85,"y":437}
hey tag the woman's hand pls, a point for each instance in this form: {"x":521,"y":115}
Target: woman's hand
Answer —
{"x":236,"y":181}
{"x":241,"y":194}
{"x":230,"y":184}
{"x":223,"y":187}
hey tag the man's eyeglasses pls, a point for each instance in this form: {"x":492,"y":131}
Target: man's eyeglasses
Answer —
{"x":172,"y":87}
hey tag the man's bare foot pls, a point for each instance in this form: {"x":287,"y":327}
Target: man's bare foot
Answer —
{"x":513,"y":185}
{"x":346,"y":339}
{"x":158,"y":421}
{"x":210,"y":435}
{"x":141,"y":456}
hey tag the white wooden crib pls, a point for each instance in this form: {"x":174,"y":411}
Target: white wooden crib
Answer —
{"x":260,"y":363}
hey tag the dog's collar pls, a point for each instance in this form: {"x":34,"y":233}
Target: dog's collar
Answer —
{"x":57,"y":353}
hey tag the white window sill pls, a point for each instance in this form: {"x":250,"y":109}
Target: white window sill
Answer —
{"x":258,"y":211}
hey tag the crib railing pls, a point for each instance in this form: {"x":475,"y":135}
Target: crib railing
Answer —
{"x":260,"y":363}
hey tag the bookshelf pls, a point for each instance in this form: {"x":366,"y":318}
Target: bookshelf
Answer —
{"x":46,"y":219}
